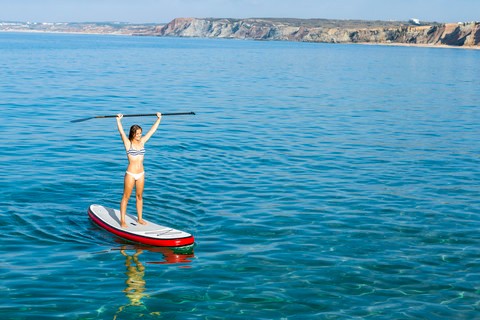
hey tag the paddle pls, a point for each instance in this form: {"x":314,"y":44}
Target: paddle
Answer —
{"x":136,"y":115}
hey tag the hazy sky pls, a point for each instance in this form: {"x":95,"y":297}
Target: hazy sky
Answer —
{"x":166,"y":10}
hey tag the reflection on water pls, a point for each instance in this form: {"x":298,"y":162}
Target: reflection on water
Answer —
{"x":135,"y":270}
{"x":173,"y":255}
{"x":169,"y":255}
{"x":135,"y":278}
{"x":135,"y":281}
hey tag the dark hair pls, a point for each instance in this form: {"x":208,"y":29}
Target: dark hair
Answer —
{"x":133,"y":131}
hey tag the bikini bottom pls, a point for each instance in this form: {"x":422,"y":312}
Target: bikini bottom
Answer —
{"x":136,"y":176}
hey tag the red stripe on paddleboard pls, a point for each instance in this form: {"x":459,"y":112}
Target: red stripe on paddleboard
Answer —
{"x":145,"y":240}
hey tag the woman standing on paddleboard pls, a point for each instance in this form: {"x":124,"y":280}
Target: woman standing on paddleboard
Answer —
{"x":135,"y":174}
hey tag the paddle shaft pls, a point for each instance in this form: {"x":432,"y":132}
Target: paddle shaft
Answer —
{"x":148,"y":115}
{"x":137,"y":115}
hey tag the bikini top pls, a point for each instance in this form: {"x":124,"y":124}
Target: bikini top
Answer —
{"x":135,"y":152}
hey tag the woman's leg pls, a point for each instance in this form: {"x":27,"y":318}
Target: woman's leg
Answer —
{"x":128,"y":184}
{"x":139,"y":193}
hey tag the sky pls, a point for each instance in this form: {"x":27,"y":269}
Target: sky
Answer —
{"x":162,"y":11}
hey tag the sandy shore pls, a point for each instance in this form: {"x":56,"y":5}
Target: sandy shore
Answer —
{"x":422,"y":45}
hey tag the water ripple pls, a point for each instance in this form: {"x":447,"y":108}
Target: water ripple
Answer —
{"x":315,"y":188}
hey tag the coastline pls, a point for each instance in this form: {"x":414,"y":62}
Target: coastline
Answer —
{"x":65,"y":32}
{"x":417,"y":45}
{"x":461,"y":35}
{"x":413,"y":45}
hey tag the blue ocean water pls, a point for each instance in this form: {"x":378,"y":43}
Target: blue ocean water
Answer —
{"x":320,"y":181}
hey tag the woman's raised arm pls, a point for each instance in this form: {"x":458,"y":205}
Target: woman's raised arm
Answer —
{"x":120,"y":128}
{"x":153,"y":128}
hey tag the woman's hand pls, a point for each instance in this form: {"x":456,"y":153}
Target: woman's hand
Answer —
{"x":119,"y":116}
{"x":159,"y":115}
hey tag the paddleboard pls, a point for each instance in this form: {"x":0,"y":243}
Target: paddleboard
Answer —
{"x":149,"y":234}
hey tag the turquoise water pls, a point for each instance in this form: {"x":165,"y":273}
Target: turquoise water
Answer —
{"x":320,"y":181}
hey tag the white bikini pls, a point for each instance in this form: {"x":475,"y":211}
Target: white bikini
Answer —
{"x":135,"y":176}
{"x":135,"y":153}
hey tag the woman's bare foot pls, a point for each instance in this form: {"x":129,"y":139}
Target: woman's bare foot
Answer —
{"x":141,"y":221}
{"x":123,"y":224}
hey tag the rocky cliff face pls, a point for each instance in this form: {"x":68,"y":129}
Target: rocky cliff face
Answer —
{"x":461,"y":34}
{"x":308,"y":30}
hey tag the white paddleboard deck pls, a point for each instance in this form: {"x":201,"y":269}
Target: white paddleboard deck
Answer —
{"x":150,"y":234}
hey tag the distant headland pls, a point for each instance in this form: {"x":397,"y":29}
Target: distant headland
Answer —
{"x":413,"y":32}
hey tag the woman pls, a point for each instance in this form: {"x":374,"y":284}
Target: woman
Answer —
{"x":135,"y":175}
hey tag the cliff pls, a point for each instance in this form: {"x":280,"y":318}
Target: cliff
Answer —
{"x":120,"y":28}
{"x":308,"y":30}
{"x":329,"y":31}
